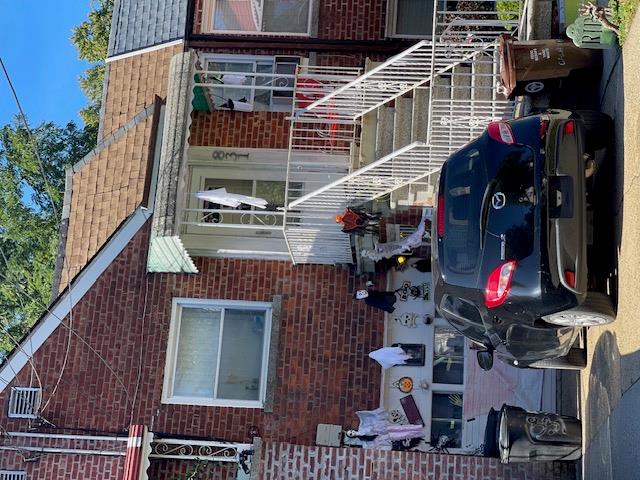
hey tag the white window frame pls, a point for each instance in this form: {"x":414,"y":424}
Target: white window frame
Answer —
{"x":172,"y":352}
{"x":208,"y":21}
{"x":205,"y":58}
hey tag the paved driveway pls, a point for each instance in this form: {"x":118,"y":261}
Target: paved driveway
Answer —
{"x":610,"y":400}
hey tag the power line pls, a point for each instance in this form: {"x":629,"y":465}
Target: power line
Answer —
{"x":74,"y":332}
{"x":32,"y":138}
{"x":34,"y":144}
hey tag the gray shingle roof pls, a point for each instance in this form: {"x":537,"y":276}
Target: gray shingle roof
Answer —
{"x":144,"y":23}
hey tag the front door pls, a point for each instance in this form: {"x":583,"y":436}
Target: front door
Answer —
{"x":210,"y":228}
{"x":438,"y":385}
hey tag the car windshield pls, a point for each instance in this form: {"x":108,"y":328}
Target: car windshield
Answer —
{"x":464,"y":185}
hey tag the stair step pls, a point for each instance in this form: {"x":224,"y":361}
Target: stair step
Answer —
{"x":461,"y":82}
{"x":483,"y":80}
{"x":420,"y":120}
{"x":442,"y":87}
{"x":402,"y":122}
{"x":369,"y":125}
{"x":384,"y":131}
{"x":368,"y":138}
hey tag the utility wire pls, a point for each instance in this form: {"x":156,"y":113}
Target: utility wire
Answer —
{"x":35,"y":146}
{"x":32,"y":138}
{"x":87,"y":344}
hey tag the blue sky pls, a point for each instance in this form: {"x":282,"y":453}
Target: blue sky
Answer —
{"x":36,"y":48}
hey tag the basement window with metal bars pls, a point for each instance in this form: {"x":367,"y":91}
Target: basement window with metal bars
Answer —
{"x":12,"y":475}
{"x":24,"y":403}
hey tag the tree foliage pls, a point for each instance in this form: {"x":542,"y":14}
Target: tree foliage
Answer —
{"x":30,"y":206}
{"x":91,"y":38}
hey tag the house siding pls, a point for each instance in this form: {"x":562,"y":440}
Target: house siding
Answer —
{"x":336,"y":19}
{"x":283,"y":460}
{"x":56,"y":466}
{"x":132,"y":85}
{"x":240,"y":130}
{"x":324,"y":374}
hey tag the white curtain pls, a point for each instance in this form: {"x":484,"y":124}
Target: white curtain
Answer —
{"x":197,"y":353}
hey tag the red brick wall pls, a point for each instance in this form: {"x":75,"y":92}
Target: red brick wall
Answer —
{"x":240,"y":129}
{"x":283,"y":460}
{"x":325,"y":374}
{"x":52,"y":466}
{"x":355,"y":19}
{"x":338,"y":19}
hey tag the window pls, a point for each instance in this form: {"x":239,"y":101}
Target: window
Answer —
{"x":217,"y":353}
{"x":464,"y":186}
{"x":258,"y":16}
{"x":271,"y":191}
{"x":448,"y":356}
{"x":12,"y":475}
{"x":410,"y":18}
{"x":24,"y":402}
{"x":266,"y":83}
{"x":446,"y":419}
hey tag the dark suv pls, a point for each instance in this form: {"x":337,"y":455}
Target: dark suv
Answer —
{"x":509,"y":262}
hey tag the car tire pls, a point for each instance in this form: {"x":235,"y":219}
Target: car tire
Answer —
{"x":597,"y":309}
{"x":576,"y":359}
{"x":599,"y":129}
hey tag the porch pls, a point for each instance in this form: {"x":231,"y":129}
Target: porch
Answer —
{"x":354,"y":138}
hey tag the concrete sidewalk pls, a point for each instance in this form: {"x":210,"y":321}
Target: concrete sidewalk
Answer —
{"x":610,"y":400}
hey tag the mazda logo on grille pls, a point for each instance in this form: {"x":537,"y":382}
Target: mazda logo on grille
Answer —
{"x":498,"y":200}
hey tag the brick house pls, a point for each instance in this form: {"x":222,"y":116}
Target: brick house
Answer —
{"x":130,"y":372}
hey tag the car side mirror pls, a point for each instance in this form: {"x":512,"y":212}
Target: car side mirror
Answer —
{"x":485,"y":359}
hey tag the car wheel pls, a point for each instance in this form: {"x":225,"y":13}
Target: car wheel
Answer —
{"x":599,"y":129}
{"x":597,"y":309}
{"x":576,"y":359}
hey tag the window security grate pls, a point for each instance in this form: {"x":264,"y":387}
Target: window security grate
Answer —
{"x":24,"y":403}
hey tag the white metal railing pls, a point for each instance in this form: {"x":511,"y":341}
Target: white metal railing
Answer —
{"x":464,"y":100}
{"x":381,"y":177}
{"x":321,"y":147}
{"x":395,"y":77}
{"x":459,"y":67}
{"x":233,"y":218}
{"x":315,"y":131}
{"x":184,"y":449}
{"x":481,"y":22}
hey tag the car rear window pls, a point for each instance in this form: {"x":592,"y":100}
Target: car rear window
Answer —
{"x":464,"y":316}
{"x":464,"y":185}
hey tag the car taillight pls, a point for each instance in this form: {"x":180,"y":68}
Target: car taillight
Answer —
{"x":544,"y":126}
{"x":501,"y":132}
{"x":441,"y":216}
{"x":499,"y":284}
{"x":569,"y":127}
{"x":570,"y":278}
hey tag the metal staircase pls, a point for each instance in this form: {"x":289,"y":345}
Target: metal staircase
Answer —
{"x":389,"y":130}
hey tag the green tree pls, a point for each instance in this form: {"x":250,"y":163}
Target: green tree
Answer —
{"x":30,"y":205}
{"x":91,"y":38}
